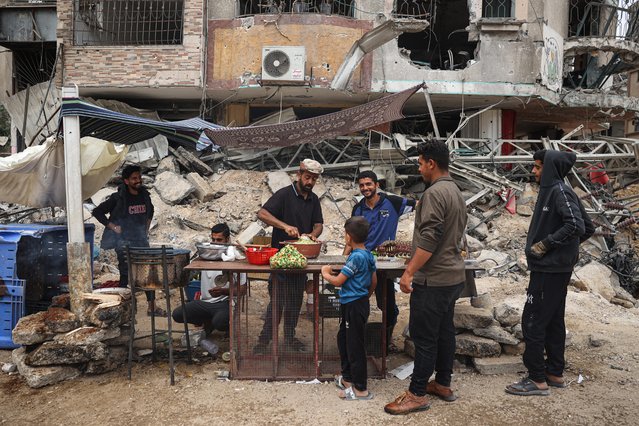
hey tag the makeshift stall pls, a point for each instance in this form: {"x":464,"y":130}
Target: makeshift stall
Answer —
{"x":321,"y":359}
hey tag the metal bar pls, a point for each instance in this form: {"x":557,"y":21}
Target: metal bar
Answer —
{"x":430,"y":111}
{"x":133,"y":312}
{"x":316,"y":323}
{"x":186,"y":326}
{"x":232,"y":331}
{"x":382,"y":280}
{"x":275,"y":320}
{"x":165,"y":281}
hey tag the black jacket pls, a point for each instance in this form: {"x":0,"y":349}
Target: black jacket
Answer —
{"x":559,"y":218}
{"x":115,"y":206}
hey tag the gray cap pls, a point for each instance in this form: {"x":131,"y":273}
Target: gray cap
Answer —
{"x":311,"y":166}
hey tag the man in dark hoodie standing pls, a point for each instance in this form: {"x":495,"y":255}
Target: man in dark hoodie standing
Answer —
{"x":130,"y":212}
{"x":559,"y":224}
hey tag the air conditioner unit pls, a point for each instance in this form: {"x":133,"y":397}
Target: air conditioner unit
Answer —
{"x":283,"y":64}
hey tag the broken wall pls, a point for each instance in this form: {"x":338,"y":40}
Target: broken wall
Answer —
{"x":234,"y":57}
{"x":133,"y":66}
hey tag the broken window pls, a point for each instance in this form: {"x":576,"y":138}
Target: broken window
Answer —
{"x":326,"y":7}
{"x":132,"y":22}
{"x":444,"y":44}
{"x":497,"y":9}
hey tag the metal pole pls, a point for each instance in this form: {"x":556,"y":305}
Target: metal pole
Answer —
{"x":430,"y":111}
{"x":78,"y":251}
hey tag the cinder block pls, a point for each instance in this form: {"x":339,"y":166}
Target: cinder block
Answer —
{"x":500,"y":365}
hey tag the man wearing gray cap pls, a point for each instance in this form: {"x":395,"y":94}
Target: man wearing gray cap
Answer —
{"x":292,"y":211}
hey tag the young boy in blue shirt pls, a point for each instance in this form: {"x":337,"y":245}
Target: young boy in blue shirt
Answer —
{"x":357,"y":281}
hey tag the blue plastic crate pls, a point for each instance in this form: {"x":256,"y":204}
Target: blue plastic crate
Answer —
{"x":11,"y":310}
{"x":37,"y":253}
{"x":8,"y":254}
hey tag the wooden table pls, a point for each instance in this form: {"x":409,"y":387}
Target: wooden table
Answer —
{"x":386,"y":269}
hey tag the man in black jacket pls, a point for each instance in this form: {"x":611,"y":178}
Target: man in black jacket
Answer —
{"x":130,"y":212}
{"x":559,"y":224}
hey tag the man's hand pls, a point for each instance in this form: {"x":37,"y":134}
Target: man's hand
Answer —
{"x":216,"y":291}
{"x":292,"y":231}
{"x":406,"y":283}
{"x":539,"y":249}
{"x":312,"y":237}
{"x":115,"y":228}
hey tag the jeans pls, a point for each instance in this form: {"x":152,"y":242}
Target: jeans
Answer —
{"x":290,"y":294}
{"x":351,"y":341}
{"x":214,"y":316}
{"x":432,"y":330}
{"x":543,"y":326}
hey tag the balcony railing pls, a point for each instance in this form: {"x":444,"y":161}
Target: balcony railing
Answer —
{"x":274,"y":7}
{"x":603,"y":20}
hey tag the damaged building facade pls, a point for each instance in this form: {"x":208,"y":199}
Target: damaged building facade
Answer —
{"x":545,"y":66}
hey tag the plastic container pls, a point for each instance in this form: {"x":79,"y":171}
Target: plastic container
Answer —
{"x":259,"y":256}
{"x":192,"y":290}
{"x":211,"y":347}
{"x":11,"y":310}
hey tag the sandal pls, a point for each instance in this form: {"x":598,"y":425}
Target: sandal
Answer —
{"x":349,"y":395}
{"x":556,"y":383}
{"x":526,"y":387}
{"x":158,"y":312}
{"x":339,"y":382}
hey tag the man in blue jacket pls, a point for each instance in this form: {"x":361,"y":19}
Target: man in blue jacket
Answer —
{"x":559,"y":224}
{"x":382,"y":211}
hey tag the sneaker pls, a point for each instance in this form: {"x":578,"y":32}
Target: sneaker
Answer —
{"x":260,"y":349}
{"x":441,"y":391}
{"x":407,"y":403}
{"x":295,"y":345}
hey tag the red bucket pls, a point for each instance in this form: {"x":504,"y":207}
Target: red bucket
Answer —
{"x":259,"y":256}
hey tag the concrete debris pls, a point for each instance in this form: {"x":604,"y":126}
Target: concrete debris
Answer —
{"x":60,"y":320}
{"x":168,"y":164}
{"x":517,"y":331}
{"x":56,"y":353}
{"x":507,"y":315}
{"x":483,"y":301}
{"x":37,"y":377}
{"x":517,"y":349}
{"x":203,"y":190}
{"x":87,"y":335}
{"x":497,"y":334}
{"x":597,"y":340}
{"x":598,"y":279}
{"x":524,"y":210}
{"x":470,"y":318}
{"x":277,"y":180}
{"x":491,"y":259}
{"x":473,"y":244}
{"x":31,"y":330}
{"x":116,"y":357}
{"x":505,"y":364}
{"x":8,"y":367}
{"x":253,"y":230}
{"x":172,"y":188}
{"x":476,"y":347}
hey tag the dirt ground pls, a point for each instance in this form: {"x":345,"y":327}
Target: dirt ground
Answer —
{"x":608,"y":394}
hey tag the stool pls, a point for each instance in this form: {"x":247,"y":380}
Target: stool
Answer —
{"x":159,"y":263}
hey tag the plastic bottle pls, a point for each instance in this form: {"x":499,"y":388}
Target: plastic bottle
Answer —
{"x":209,"y":346}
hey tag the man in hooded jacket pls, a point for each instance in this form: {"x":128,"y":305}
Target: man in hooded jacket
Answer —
{"x":559,"y":224}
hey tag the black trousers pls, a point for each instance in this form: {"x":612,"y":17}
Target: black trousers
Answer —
{"x":432,"y":330}
{"x":351,"y":341}
{"x":123,"y":266}
{"x":213,"y":316}
{"x":543,"y":326}
{"x":392,"y":311}
{"x":290,"y":294}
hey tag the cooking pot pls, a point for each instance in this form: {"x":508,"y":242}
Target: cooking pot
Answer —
{"x":147,"y":271}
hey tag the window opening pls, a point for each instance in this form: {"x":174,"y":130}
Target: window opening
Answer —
{"x":269,"y":7}
{"x":132,"y":22}
{"x":444,"y":44}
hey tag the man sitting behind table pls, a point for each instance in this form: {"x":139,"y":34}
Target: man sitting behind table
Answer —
{"x":212,"y":310}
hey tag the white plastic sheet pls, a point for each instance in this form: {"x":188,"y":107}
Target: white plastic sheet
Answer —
{"x":35,"y":176}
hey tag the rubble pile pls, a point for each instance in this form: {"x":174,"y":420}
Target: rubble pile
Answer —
{"x":58,"y":345}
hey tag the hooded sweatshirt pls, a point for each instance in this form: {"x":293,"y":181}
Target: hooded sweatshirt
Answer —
{"x":559,"y":218}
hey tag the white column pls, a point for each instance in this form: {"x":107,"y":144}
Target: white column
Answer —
{"x":73,"y":171}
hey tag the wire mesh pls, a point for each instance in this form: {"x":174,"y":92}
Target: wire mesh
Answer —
{"x":303,"y":345}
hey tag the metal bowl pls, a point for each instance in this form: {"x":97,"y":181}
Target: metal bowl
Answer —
{"x":208,"y":251}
